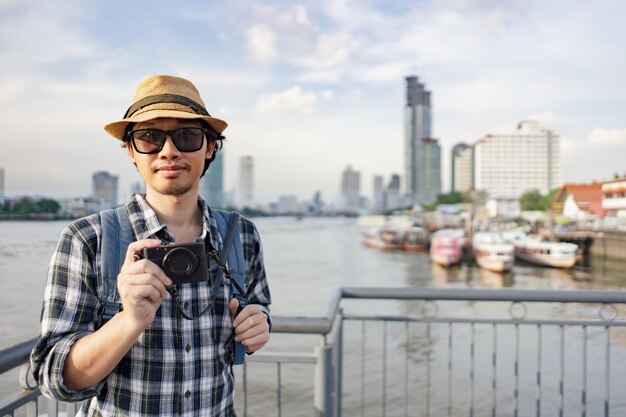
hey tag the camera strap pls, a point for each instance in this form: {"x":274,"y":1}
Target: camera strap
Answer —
{"x":233,"y":229}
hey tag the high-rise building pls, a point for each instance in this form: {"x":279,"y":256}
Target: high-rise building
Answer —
{"x":105,"y":187}
{"x":351,"y":188}
{"x":509,"y":164}
{"x":428,"y":179}
{"x":379,"y":193}
{"x":212,"y":184}
{"x":1,"y":182}
{"x":392,"y":193}
{"x":246,"y":182}
{"x":422,"y":154}
{"x":462,"y":169}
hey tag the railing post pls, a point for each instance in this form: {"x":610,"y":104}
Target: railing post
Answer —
{"x":322,"y":397}
{"x":339,"y":365}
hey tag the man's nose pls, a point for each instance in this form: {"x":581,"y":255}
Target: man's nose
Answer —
{"x":169,"y":148}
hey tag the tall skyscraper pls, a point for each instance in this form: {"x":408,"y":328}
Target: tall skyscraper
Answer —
{"x":212,"y":184}
{"x":246,"y":182}
{"x":351,"y":188}
{"x":422,"y":154}
{"x":105,"y":187}
{"x":507,"y":165}
{"x":392,"y":193}
{"x":379,"y":193}
{"x":462,"y":168}
{"x":1,"y":182}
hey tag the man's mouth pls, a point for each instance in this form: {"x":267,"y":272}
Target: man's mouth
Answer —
{"x":170,"y":169}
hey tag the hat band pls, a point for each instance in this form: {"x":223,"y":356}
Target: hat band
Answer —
{"x":165,"y":98}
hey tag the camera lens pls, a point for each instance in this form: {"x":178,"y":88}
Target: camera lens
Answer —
{"x":179,"y":263}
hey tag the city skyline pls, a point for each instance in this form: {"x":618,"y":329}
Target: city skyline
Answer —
{"x":308,"y":88}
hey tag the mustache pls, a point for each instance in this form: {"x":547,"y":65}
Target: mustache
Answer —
{"x":161,"y":166}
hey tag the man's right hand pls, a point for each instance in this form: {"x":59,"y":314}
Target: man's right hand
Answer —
{"x":141,"y":284}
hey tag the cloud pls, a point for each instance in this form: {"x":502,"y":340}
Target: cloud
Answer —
{"x":261,"y":43}
{"x":292,"y":100}
{"x":600,"y":136}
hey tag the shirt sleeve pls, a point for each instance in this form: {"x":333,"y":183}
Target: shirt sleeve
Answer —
{"x":68,"y":314}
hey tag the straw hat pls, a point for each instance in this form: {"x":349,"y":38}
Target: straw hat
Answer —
{"x":164,"y":96}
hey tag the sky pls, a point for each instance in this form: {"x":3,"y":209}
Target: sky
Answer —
{"x":308,"y":87}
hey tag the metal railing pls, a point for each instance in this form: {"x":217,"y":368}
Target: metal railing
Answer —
{"x":443,"y":352}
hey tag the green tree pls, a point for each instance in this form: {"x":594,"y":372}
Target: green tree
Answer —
{"x":454,"y":197}
{"x":532,"y":200}
{"x":48,"y":205}
{"x":25,"y":205}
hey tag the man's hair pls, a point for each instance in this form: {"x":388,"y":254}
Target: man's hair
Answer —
{"x":211,"y":135}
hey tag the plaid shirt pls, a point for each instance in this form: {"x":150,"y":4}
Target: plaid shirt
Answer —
{"x":177,"y":366}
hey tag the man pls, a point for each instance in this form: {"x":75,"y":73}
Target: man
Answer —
{"x":148,"y":359}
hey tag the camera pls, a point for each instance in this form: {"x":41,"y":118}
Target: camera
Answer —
{"x":184,"y":262}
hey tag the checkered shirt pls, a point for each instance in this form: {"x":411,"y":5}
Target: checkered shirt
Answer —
{"x":176,"y":367}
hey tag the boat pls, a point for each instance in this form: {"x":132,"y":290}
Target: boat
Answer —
{"x":393,"y":233}
{"x":533,"y":249}
{"x":447,"y":246}
{"x":415,"y":239}
{"x":385,"y":238}
{"x":492,"y":252}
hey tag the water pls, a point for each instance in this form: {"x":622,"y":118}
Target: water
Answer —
{"x":306,"y":261}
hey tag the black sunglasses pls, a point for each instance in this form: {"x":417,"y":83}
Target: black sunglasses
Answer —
{"x":186,"y":139}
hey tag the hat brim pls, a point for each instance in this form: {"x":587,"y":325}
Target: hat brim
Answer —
{"x":117,"y":129}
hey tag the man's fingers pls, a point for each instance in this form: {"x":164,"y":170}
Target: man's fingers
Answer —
{"x":245,"y":314}
{"x":232,"y":306}
{"x":145,"y":279}
{"x":138,"y":247}
{"x":145,"y":266}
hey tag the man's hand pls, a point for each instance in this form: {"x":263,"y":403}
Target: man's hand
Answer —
{"x":251,"y":326}
{"x":141,"y":284}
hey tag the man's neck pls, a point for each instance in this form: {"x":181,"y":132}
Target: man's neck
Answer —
{"x":181,"y":214}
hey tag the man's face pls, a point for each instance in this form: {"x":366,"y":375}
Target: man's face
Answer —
{"x":170,"y":171}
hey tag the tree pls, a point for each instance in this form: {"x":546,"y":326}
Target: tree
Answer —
{"x":453,"y":197}
{"x":532,"y":200}
{"x":48,"y":205}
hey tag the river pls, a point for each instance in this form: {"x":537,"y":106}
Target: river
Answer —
{"x":306,"y":261}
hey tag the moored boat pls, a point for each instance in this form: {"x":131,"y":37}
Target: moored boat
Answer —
{"x":534,"y":250}
{"x":446,"y":247}
{"x":383,"y":238}
{"x":415,"y":239}
{"x":492,"y":252}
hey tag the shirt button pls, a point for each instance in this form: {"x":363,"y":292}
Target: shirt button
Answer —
{"x":187,"y":394}
{"x":188,"y":347}
{"x":186,"y":305}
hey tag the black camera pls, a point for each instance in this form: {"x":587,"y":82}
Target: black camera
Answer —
{"x":184,"y":262}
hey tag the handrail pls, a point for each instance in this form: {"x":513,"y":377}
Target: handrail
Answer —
{"x":13,"y":356}
{"x":547,"y":296}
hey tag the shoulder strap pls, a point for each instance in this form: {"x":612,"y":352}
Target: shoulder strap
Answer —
{"x":117,"y":234}
{"x":232,"y":251}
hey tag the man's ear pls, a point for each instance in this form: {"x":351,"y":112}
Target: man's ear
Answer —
{"x":131,"y":151}
{"x":210,"y":149}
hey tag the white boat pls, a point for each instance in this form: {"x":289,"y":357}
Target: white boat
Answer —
{"x":534,"y":249}
{"x":492,"y":252}
{"x":446,"y":247}
{"x":384,"y":238}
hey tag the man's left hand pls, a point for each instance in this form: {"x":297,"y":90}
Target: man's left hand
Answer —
{"x":251,"y":326}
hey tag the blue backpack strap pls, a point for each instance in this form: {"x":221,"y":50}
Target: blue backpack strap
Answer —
{"x":232,"y":251}
{"x":117,"y":234}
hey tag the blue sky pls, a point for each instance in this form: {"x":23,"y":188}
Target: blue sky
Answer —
{"x":308,"y":87}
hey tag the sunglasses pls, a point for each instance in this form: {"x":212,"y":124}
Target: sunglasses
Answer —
{"x":186,"y":139}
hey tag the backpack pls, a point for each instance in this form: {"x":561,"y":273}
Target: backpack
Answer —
{"x":117,"y":234}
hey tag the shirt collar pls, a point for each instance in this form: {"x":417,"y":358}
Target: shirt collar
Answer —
{"x":147,"y":225}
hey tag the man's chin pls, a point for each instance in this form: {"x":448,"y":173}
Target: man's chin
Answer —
{"x":174,"y":190}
